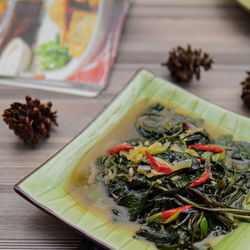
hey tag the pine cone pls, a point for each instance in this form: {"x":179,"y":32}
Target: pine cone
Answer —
{"x":183,"y":64}
{"x":246,"y":90}
{"x":30,"y":121}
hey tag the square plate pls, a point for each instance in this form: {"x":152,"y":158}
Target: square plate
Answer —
{"x":45,"y":186}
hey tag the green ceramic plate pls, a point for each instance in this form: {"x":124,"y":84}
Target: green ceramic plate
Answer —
{"x":45,"y":186}
{"x":245,"y":4}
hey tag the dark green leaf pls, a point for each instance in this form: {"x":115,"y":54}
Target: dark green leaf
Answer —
{"x":240,"y":149}
{"x":134,"y":201}
{"x":157,"y":121}
{"x":161,"y":239}
{"x":118,"y":188}
{"x":200,"y":137}
{"x":225,"y":140}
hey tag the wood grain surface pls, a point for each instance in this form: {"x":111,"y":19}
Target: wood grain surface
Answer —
{"x":220,"y":27}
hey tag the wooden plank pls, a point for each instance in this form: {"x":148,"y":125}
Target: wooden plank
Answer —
{"x":40,"y":244}
{"x":188,"y":12}
{"x":184,"y":2}
{"x":153,"y":27}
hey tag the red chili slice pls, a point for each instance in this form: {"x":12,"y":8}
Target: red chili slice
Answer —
{"x":198,"y":159}
{"x":120,"y":148}
{"x":200,"y":180}
{"x":210,"y":148}
{"x":168,"y":213}
{"x":157,"y":166}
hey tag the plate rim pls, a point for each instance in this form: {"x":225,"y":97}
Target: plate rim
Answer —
{"x":245,"y":6}
{"x":49,"y":211}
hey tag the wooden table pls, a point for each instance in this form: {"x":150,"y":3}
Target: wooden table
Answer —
{"x":153,"y":27}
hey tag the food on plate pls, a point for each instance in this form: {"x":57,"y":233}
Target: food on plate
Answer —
{"x":76,"y":21}
{"x":181,"y":185}
{"x":53,"y":55}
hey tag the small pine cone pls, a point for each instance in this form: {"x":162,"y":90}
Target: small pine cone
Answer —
{"x":30,"y":121}
{"x":246,"y":90}
{"x":183,"y":64}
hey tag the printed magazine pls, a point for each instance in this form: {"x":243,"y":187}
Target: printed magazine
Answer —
{"x":60,"y":45}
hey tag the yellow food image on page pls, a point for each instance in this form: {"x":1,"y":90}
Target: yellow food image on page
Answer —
{"x":76,"y":25}
{"x":92,"y":3}
{"x":57,"y":10}
{"x":80,"y":34}
{"x":3,"y":8}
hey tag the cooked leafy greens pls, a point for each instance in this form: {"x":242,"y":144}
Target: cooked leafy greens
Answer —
{"x":176,"y":181}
